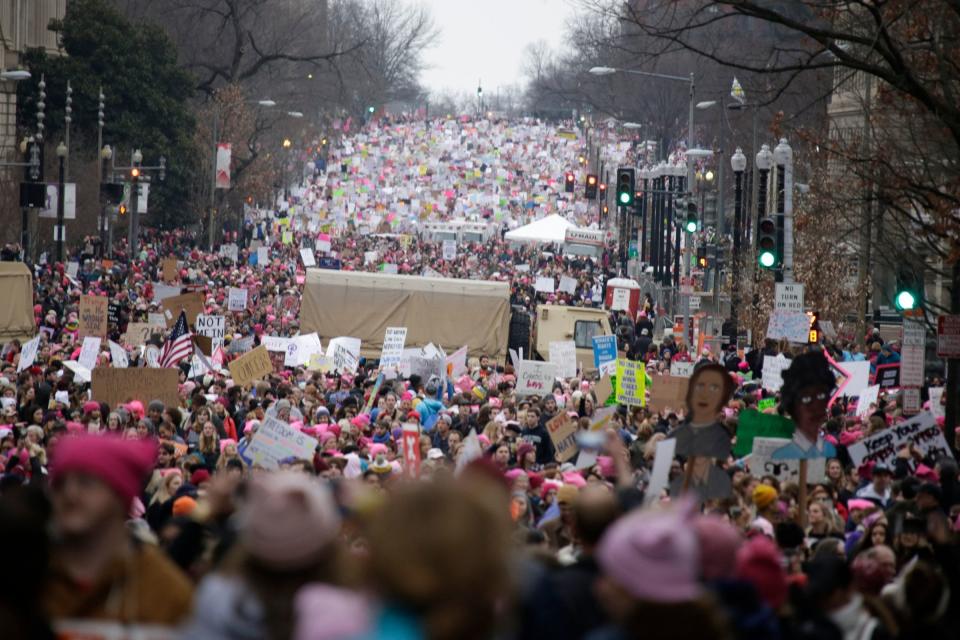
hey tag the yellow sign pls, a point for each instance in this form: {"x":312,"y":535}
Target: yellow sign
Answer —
{"x":631,"y":383}
{"x":251,"y":366}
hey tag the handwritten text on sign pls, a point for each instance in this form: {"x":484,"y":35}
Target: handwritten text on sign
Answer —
{"x":563,"y":433}
{"x":921,"y":431}
{"x":536,"y":378}
{"x":277,"y":440}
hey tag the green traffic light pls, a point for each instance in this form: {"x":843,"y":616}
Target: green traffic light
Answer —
{"x":624,"y":198}
{"x":767,"y":259}
{"x":371,"y":109}
{"x":906,"y":300}
{"x":691,"y":226}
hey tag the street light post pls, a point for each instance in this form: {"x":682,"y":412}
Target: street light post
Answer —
{"x":59,"y":234}
{"x":106,"y":153}
{"x":738,"y":162}
{"x":783,"y":155}
{"x":133,"y":229}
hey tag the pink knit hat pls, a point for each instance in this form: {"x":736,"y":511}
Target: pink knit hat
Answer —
{"x":759,"y":562}
{"x":121,"y":464}
{"x":653,"y":555}
{"x":719,"y":541}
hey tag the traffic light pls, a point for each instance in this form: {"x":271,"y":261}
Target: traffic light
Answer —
{"x":568,"y":180}
{"x":692,"y":223}
{"x":590,"y":189}
{"x":582,"y":159}
{"x":814,"y":334}
{"x":767,"y":243}
{"x":122,"y":209}
{"x":626,"y":186}
{"x":909,"y":290}
{"x":135,"y":172}
{"x":702,"y":257}
{"x":111,"y":192}
{"x":603,"y":191}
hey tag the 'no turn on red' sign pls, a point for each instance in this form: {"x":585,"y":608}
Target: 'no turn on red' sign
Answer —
{"x":948,"y":336}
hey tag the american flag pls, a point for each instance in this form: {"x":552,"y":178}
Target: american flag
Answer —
{"x":178,"y":346}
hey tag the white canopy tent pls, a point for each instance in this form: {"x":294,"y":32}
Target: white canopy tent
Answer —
{"x":553,"y":228}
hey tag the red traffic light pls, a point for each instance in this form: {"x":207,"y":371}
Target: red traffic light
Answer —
{"x":603,"y":187}
{"x":569,"y":177}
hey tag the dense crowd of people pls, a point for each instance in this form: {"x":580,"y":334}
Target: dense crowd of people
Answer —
{"x":154,"y":517}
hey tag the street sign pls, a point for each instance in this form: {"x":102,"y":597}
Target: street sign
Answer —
{"x":948,"y":336}
{"x":912,"y":353}
{"x":694,"y":303}
{"x":788,"y":297}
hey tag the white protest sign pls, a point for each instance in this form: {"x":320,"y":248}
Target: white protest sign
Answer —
{"x":393,"y":342}
{"x":921,"y":431}
{"x":344,"y":354}
{"x":28,"y":354}
{"x":323,"y":244}
{"x":859,"y":377}
{"x":263,"y":256}
{"x":867,"y":398}
{"x":369,"y":257}
{"x":276,"y":440}
{"x":458,"y":360}
{"x":237,"y":299}
{"x":937,"y":409}
{"x":213,"y":327}
{"x":536,"y":378}
{"x":912,"y":353}
{"x":544,"y":284}
{"x":449,"y":249}
{"x":681,"y":369}
{"x":790,"y":325}
{"x":274,"y":343}
{"x":621,"y":300}
{"x":300,"y":348}
{"x":241,"y":345}
{"x":761,"y":462}
{"x":564,"y":355}
{"x":567,"y":285}
{"x":306,"y":255}
{"x":88,"y":352}
{"x":118,"y":356}
{"x":73,"y":268}
{"x":788,"y":297}
{"x":660,"y":476}
{"x":163,"y":291}
{"x":229,"y":251}
{"x":773,"y":366}
{"x":157,"y":320}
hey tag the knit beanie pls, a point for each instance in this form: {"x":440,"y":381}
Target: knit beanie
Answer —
{"x":764,"y":495}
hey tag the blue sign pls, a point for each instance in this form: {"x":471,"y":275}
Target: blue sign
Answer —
{"x":604,"y":350}
{"x":326,"y":262}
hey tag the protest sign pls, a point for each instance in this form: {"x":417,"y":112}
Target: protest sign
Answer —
{"x":457,"y":362}
{"x":241,"y":345}
{"x":766,"y":403}
{"x":251,"y":366}
{"x":170,"y":271}
{"x":936,"y":397}
{"x":323,"y":242}
{"x":300,"y":348}
{"x":791,"y":325}
{"x":912,"y":353}
{"x":535,"y":378}
{"x":563,"y":433}
{"x":276,"y":440}
{"x":88,"y":352}
{"x":344,"y":354}
{"x":213,"y":327}
{"x":681,"y":369}
{"x":564,"y":355}
{"x":116,"y":386}
{"x":393,"y":341}
{"x":544,"y":284}
{"x":668,"y":392}
{"x":229,"y":251}
{"x":118,"y":356}
{"x":921,"y":431}
{"x":28,"y":354}
{"x":162,"y":291}
{"x":113,"y":315}
{"x":605,"y":354}
{"x":631,"y":383}
{"x":773,"y":367}
{"x":762,"y":463}
{"x":73,"y":268}
{"x":867,"y":398}
{"x":411,"y":449}
{"x":138,"y":333}
{"x":753,"y":424}
{"x":237,"y":299}
{"x":660,"y":476}
{"x":449,"y":249}
{"x":93,"y":316}
{"x":274,"y":343}
{"x":620,"y":300}
{"x":887,"y":375}
{"x":306,"y":255}
{"x":859,"y":379}
{"x":190,"y":303}
{"x":263,"y":256}
{"x":567,"y":285}
{"x":911,"y":400}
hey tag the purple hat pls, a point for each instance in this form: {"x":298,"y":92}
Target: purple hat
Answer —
{"x":653,"y":555}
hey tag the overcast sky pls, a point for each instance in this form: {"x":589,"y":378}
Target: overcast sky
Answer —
{"x":485,"y":39}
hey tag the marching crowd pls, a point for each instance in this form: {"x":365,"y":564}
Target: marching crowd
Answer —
{"x":155,"y":518}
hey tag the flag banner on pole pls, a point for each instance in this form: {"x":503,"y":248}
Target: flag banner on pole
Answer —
{"x":178,"y":346}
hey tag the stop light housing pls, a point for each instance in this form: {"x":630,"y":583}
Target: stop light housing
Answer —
{"x":590,"y":188}
{"x":603,"y":190}
{"x":909,"y":291}
{"x":767,"y":243}
{"x":135,"y":172}
{"x":122,"y":209}
{"x":692,"y":222}
{"x":568,"y":181}
{"x":815,"y":333}
{"x":702,"y":257}
{"x":626,"y":186}
{"x":111,"y":192}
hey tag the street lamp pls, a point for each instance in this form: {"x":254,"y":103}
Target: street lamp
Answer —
{"x":266,"y":103}
{"x":602,"y":71}
{"x":14,"y":75}
{"x":59,"y":232}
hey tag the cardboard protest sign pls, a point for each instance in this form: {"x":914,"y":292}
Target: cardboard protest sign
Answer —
{"x":773,"y":368}
{"x":604,"y":389}
{"x":116,"y":386}
{"x":139,"y":332}
{"x":753,"y":424}
{"x":564,"y":355}
{"x":631,"y":383}
{"x":163,"y":291}
{"x":276,"y":440}
{"x":702,"y":433}
{"x":191,"y":303}
{"x":681,"y":369}
{"x":170,"y":271}
{"x":203,"y":343}
{"x":761,"y":462}
{"x":605,"y":354}
{"x":251,"y":366}
{"x":668,"y":392}
{"x":213,"y":327}
{"x":563,"y":433}
{"x":535,"y":378}
{"x":393,"y":341}
{"x":93,"y":316}
{"x":28,"y":354}
{"x":921,"y":431}
{"x":89,"y":352}
{"x":237,"y":299}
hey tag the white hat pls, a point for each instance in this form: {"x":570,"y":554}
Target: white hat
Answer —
{"x":434,"y":454}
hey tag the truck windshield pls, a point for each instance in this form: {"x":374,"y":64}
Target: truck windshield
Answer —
{"x":583,"y":332}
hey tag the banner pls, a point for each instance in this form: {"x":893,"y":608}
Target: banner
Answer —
{"x":276,"y":440}
{"x":921,"y":431}
{"x":223,"y":165}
